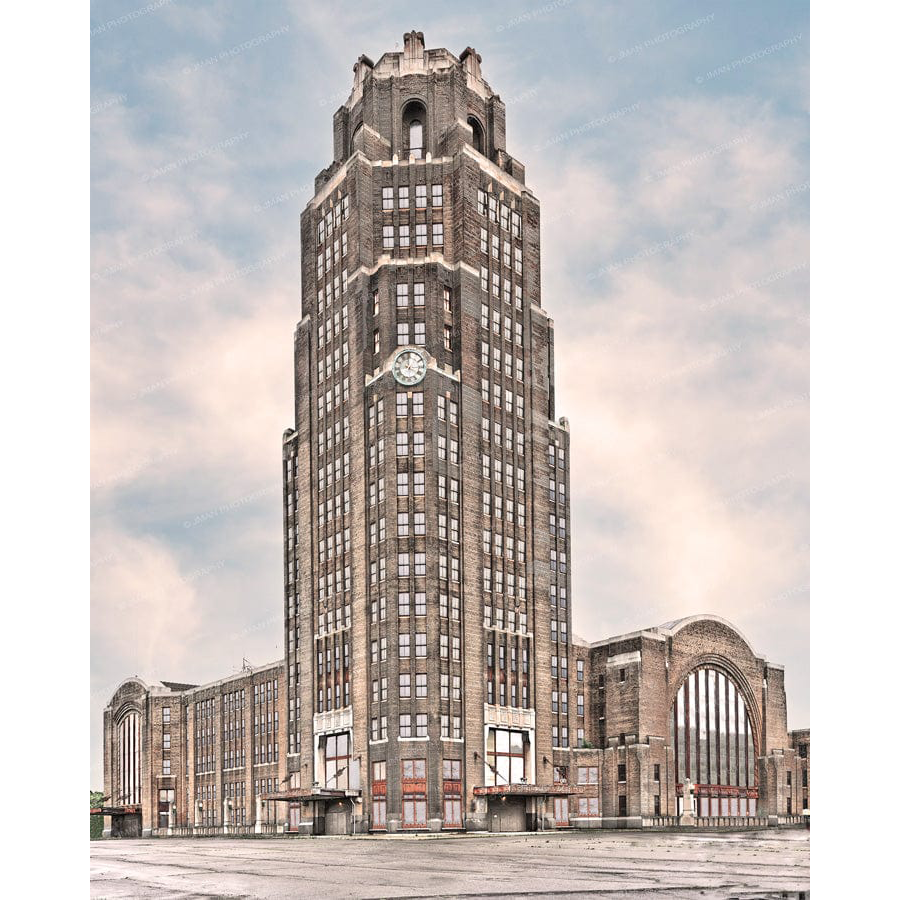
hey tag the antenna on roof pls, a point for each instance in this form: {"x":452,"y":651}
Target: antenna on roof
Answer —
{"x":245,"y":664}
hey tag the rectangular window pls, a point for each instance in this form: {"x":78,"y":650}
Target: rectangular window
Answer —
{"x":337,"y":761}
{"x":414,"y":790}
{"x":421,"y":196}
{"x":437,"y":195}
{"x":505,"y":757}
{"x":387,"y":198}
{"x":387,"y":237}
{"x":437,"y":234}
{"x":561,"y":809}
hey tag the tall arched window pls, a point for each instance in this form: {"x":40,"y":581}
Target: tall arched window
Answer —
{"x":129,"y":755}
{"x":414,"y":129}
{"x":715,"y":747}
{"x":356,"y":133}
{"x":416,"y":139}
{"x":477,"y":134}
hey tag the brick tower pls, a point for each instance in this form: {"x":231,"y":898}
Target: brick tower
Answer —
{"x":427,"y":601}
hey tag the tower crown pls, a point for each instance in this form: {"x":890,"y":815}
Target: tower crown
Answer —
{"x":419,"y":103}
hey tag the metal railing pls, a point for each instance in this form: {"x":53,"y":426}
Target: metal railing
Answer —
{"x":732,"y":822}
{"x":793,"y":820}
{"x":659,"y":821}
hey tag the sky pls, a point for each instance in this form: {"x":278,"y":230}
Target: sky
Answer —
{"x":668,"y":144}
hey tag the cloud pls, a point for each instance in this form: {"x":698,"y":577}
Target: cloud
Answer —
{"x":685,"y":498}
{"x":143,"y":604}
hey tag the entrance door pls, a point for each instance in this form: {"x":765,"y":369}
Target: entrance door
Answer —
{"x":336,"y":818}
{"x":507,"y":814}
{"x":294,"y":817}
{"x":127,"y":825}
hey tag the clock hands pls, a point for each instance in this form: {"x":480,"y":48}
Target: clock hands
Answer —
{"x":409,"y":366}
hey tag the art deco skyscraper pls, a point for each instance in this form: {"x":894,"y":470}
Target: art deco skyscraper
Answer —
{"x":427,"y":601}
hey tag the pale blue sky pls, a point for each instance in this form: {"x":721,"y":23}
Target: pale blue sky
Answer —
{"x":672,"y":168}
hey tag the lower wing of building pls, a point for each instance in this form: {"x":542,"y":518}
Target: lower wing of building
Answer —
{"x":680,"y":725}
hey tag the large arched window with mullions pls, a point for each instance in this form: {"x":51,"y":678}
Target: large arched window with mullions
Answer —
{"x":128,"y":760}
{"x":711,"y":729}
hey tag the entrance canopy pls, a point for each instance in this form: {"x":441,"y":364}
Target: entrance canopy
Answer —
{"x":306,"y":794}
{"x":523,"y":790}
{"x":115,"y":810}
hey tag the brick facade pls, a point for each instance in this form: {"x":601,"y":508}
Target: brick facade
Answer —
{"x":202,"y":754}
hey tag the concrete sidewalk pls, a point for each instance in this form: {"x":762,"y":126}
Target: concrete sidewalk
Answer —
{"x":645,"y":865}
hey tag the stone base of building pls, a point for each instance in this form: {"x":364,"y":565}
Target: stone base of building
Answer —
{"x":680,"y":824}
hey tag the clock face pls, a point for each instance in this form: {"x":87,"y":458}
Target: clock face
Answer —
{"x":409,"y":367}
